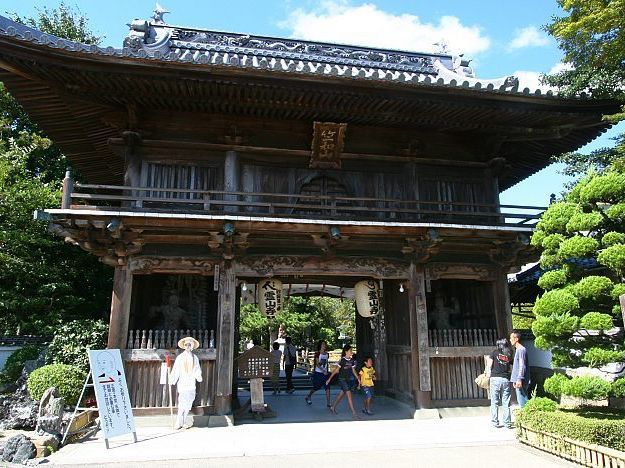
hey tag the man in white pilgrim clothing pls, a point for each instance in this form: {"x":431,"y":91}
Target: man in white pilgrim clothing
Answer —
{"x":185,"y":373}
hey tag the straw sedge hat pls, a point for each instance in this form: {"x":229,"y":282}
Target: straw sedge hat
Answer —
{"x":182,"y":341}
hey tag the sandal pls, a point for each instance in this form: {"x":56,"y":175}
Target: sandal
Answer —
{"x":333,"y":410}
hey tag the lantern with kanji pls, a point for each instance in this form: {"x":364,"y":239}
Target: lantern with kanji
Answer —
{"x":269,"y":293}
{"x":367,"y":293}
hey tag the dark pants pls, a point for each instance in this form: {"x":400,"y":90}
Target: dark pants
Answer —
{"x":288,"y":370}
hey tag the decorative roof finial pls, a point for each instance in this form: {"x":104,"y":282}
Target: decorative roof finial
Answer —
{"x":159,"y":12}
{"x":443,"y":48}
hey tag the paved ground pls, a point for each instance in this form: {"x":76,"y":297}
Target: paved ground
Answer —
{"x":453,"y":441}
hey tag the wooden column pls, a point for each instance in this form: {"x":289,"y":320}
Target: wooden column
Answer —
{"x":420,"y":350}
{"x":231,"y":178}
{"x":225,"y":338}
{"x":120,"y":308}
{"x":501,"y":302}
{"x":132,"y":166}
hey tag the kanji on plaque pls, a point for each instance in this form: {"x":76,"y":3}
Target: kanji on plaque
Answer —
{"x":327,"y":145}
{"x":111,"y":392}
{"x":269,"y":295}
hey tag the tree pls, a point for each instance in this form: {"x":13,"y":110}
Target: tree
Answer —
{"x":306,"y":319}
{"x":591,"y":35}
{"x":577,"y":309}
{"x":43,"y":281}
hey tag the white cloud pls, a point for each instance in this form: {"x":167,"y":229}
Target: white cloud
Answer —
{"x":532,"y":79}
{"x":367,"y":25}
{"x":528,"y":37}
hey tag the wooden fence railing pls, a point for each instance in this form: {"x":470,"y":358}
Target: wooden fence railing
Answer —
{"x":576,"y":451}
{"x":463,"y":337}
{"x":168,"y":339}
{"x":89,"y":196}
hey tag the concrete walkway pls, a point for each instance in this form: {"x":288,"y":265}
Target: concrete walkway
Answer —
{"x":404,"y":442}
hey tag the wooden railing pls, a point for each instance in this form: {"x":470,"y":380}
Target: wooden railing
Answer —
{"x":576,"y":451}
{"x":464,"y":337}
{"x":167,"y":339}
{"x":175,"y":200}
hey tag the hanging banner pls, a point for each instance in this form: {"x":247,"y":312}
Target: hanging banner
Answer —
{"x":367,"y":294}
{"x":270,"y":296}
{"x":111,"y":392}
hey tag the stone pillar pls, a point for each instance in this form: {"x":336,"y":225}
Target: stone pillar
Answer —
{"x":501,"y":301}
{"x":231,"y":179}
{"x":120,"y":308}
{"x":420,"y":348}
{"x":225,"y":339}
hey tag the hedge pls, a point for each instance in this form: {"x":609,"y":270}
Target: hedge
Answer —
{"x":15,"y":362}
{"x":606,"y":428}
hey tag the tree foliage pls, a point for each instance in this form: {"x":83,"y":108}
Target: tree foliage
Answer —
{"x":591,"y":34}
{"x":43,"y":281}
{"x":577,"y":309}
{"x":306,"y":320}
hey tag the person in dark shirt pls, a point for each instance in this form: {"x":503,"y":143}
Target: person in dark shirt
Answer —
{"x":347,"y":379}
{"x":499,"y":364}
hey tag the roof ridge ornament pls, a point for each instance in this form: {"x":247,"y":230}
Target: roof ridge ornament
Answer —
{"x":159,"y":13}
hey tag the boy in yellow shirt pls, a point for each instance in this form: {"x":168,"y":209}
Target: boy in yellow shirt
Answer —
{"x":367,"y":376}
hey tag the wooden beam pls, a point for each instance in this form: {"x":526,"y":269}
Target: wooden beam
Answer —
{"x":120,"y":308}
{"x":225,"y":338}
{"x":459,"y":351}
{"x":420,"y":356}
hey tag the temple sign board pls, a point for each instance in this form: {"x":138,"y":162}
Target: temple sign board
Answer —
{"x":111,"y":391}
{"x":327,"y":145}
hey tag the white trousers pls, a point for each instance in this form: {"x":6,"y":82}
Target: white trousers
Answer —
{"x":185,"y":402}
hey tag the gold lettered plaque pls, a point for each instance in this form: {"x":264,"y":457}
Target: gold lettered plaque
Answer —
{"x":327,"y":145}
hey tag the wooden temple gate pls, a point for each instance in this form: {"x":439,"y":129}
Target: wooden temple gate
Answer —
{"x":213,"y":158}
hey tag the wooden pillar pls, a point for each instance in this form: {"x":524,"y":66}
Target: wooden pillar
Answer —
{"x":501,"y":302}
{"x":231,"y":178}
{"x":132,"y":166}
{"x":225,"y":338}
{"x":120,"y":308}
{"x":420,"y":349}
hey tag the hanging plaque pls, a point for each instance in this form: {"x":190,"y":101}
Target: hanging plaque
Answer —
{"x":270,"y":296}
{"x":327,"y":145}
{"x":367,"y":293}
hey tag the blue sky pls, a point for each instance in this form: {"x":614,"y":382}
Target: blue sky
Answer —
{"x":500,"y":38}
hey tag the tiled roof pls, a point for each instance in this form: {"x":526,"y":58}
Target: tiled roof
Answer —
{"x":155,"y":40}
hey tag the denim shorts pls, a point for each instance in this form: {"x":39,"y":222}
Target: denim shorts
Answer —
{"x":319,"y":381}
{"x":347,"y":385}
{"x":368,"y":391}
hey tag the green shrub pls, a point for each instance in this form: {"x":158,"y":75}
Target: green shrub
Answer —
{"x":69,"y":381}
{"x":612,"y":238}
{"x":552,"y":279}
{"x":549,"y":260}
{"x":617,"y":212}
{"x":15,"y":362}
{"x":537,"y":238}
{"x":552,"y":242}
{"x":554,"y":219}
{"x":596,"y":321}
{"x":608,"y":187}
{"x":557,"y":301}
{"x":601,"y":428}
{"x":555,"y":325}
{"x":613,"y":257}
{"x":593,"y":287}
{"x":618,"y":290}
{"x":597,"y":357}
{"x":578,"y":247}
{"x":618,"y":388}
{"x":73,"y":339}
{"x":587,"y":388}
{"x":553,"y":384}
{"x":540,"y":404}
{"x":584,"y":222}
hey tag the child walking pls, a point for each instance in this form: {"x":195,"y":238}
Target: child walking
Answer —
{"x":276,"y":355}
{"x":367,"y":376}
{"x":347,"y":378}
{"x":320,"y":365}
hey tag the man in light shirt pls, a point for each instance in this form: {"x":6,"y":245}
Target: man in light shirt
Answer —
{"x":520,"y":369}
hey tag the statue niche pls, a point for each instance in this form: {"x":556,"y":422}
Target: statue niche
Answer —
{"x":171,"y":316}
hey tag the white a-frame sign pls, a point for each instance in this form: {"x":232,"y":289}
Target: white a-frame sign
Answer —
{"x":111,"y":393}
